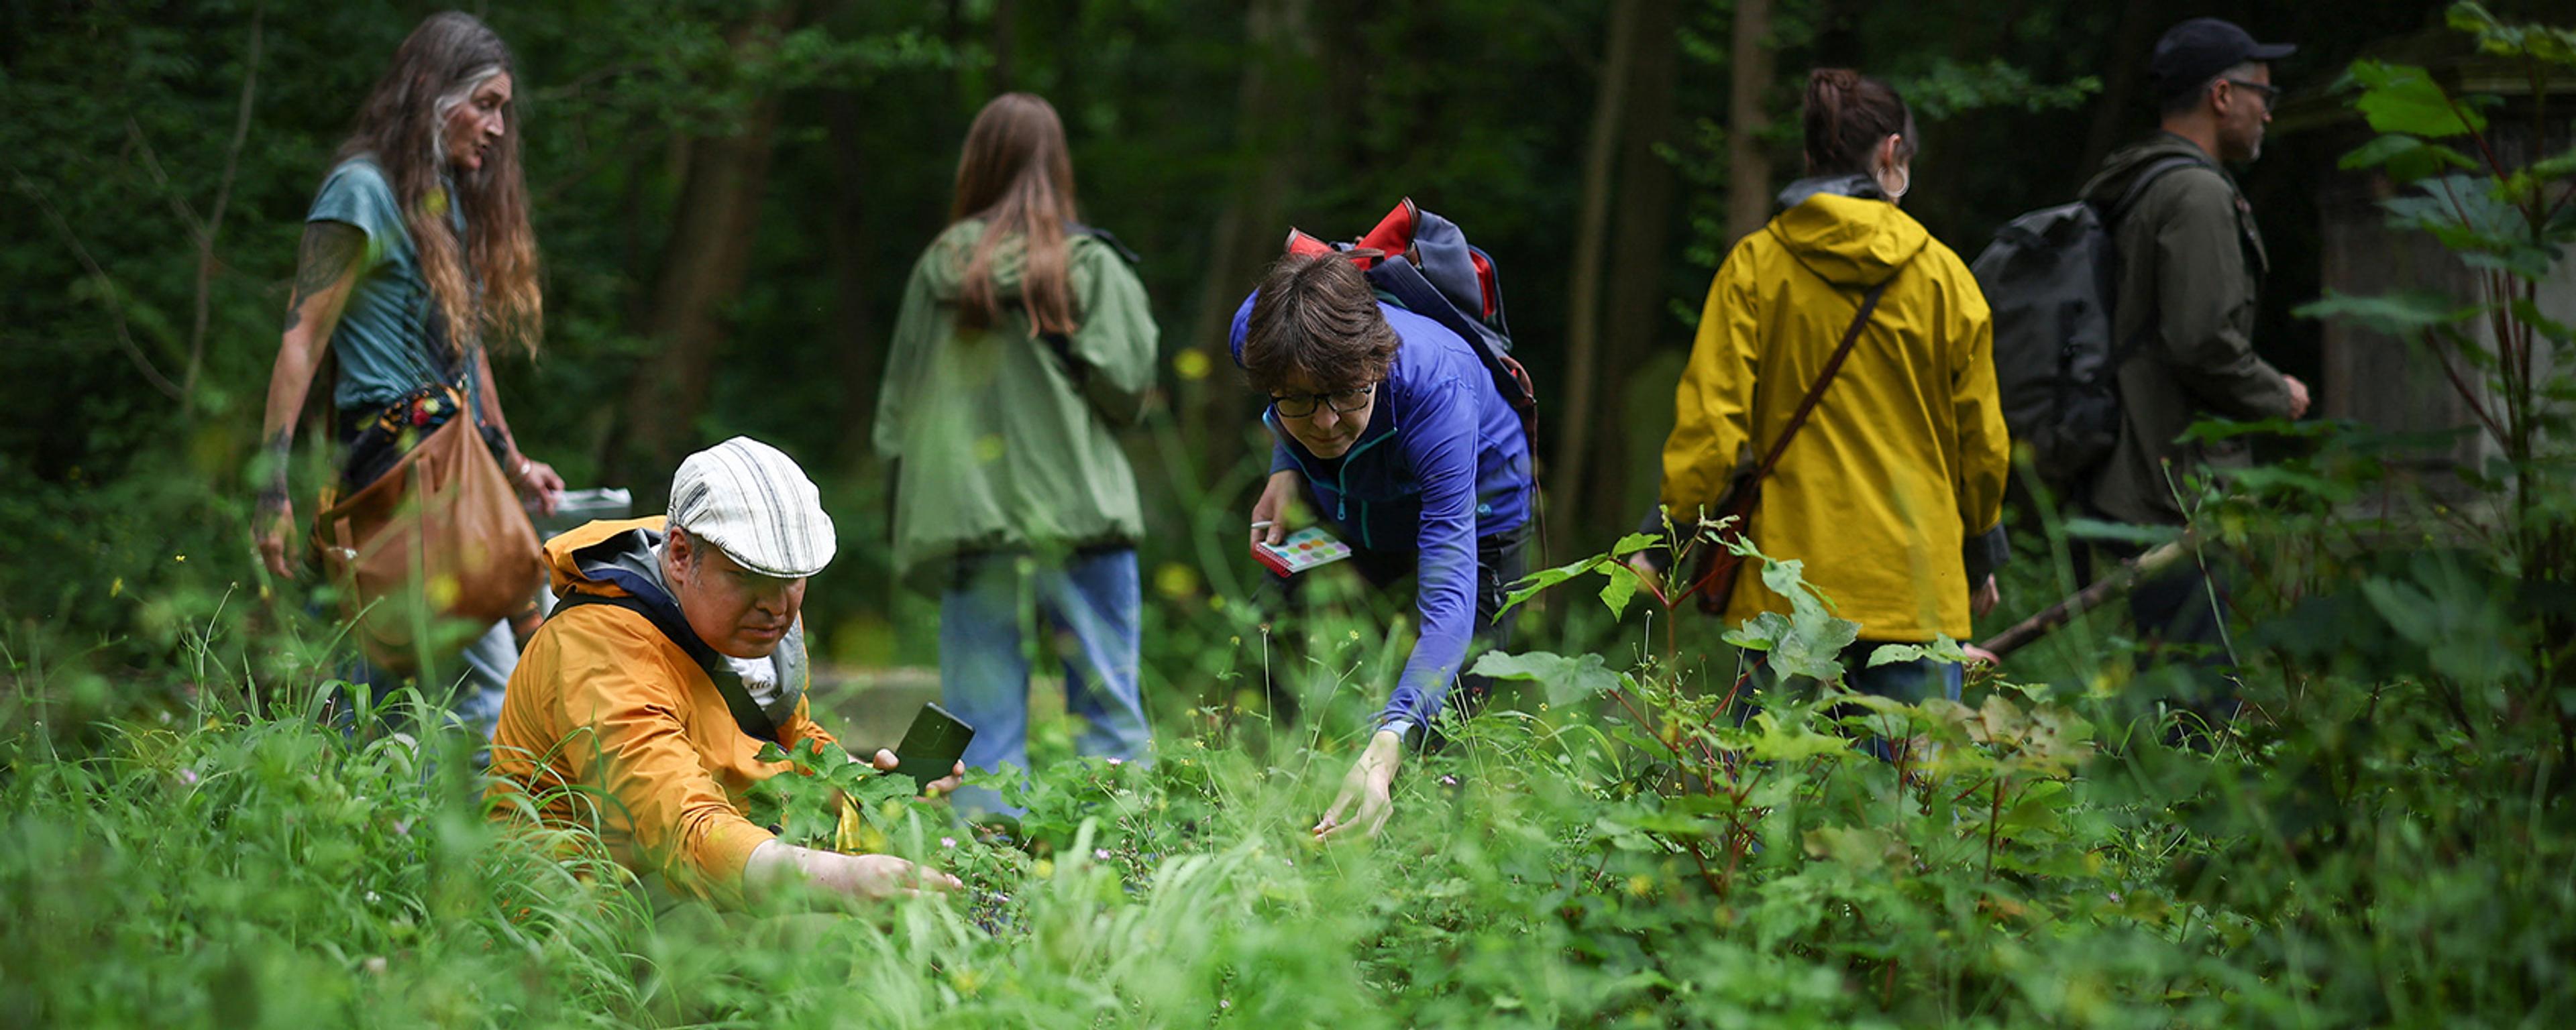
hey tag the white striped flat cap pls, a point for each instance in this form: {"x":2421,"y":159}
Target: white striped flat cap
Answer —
{"x":751,"y":500}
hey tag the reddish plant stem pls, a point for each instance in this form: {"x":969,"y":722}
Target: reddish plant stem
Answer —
{"x":1994,"y":815}
{"x":1647,"y":724}
{"x":1714,"y":884}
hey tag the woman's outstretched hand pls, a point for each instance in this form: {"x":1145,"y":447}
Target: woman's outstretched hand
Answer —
{"x":1270,"y":513}
{"x":270,"y":528}
{"x":538,"y":482}
{"x":1365,"y":801}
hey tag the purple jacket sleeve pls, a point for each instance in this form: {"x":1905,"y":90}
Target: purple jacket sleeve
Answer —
{"x":1440,"y":441}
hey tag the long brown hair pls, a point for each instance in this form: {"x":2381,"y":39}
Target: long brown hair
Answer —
{"x":1847,"y":113}
{"x":449,"y":55}
{"x":1017,"y":175}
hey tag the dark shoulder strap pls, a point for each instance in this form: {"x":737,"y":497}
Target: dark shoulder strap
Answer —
{"x":2111,"y":220}
{"x":746,"y":712}
{"x":2138,"y":187}
{"x":1062,"y":344}
{"x":1105,"y":236}
{"x":1815,"y":393}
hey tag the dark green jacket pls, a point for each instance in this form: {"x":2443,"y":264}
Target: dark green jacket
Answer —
{"x":1004,"y":438}
{"x":2192,"y":260}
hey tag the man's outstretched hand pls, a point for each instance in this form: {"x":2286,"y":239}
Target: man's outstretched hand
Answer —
{"x":1364,"y":804}
{"x":885,"y":761}
{"x":865,"y":877}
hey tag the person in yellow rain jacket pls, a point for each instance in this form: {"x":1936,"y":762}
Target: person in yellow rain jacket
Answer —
{"x":1892,"y":493}
{"x":673,"y":654}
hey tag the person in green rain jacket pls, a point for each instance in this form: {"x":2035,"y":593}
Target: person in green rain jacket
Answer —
{"x":1024,"y":340}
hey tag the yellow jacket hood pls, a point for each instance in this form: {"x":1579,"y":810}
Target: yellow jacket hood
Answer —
{"x":1849,"y":241}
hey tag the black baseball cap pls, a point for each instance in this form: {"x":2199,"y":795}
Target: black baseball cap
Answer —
{"x":2193,"y":52}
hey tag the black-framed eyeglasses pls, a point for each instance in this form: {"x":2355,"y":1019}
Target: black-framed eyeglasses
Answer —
{"x":2268,"y":92}
{"x":1301,"y":405}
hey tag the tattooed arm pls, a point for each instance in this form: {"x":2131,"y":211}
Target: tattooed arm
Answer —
{"x":326,"y":265}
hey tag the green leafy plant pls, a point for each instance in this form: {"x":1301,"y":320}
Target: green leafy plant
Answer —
{"x":2510,"y":220}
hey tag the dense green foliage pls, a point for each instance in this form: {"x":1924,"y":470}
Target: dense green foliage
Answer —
{"x":158,"y":159}
{"x":1636,"y":836}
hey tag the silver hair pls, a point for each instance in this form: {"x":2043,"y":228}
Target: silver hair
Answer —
{"x":447,"y":104}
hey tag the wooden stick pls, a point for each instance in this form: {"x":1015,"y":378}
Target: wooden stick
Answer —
{"x":2117,"y":583}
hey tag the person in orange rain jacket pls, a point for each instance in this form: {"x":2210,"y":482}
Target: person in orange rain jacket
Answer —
{"x":673,"y":654}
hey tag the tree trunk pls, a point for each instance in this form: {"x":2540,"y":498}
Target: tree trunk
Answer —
{"x":854,"y":271}
{"x":1006,"y":23}
{"x":2113,"y":114}
{"x":702,"y":269}
{"x":1591,"y":231}
{"x":1637,"y":306}
{"x":1748,"y":156}
{"x":1268,"y":126}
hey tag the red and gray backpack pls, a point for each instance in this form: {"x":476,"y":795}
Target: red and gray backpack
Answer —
{"x":1423,"y":263}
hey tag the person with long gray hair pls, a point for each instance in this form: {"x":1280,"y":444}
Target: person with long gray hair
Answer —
{"x":416,"y":258}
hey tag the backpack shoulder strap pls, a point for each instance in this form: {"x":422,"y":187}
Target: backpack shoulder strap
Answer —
{"x":1061,"y":344}
{"x":1105,"y":236}
{"x":746,"y":712}
{"x":2111,"y":219}
{"x":2138,"y":187}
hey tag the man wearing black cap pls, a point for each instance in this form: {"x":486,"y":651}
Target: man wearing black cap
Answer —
{"x":2191,"y":261}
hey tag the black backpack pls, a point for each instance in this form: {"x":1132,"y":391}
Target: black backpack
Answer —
{"x":1424,"y":264}
{"x":2050,"y":277}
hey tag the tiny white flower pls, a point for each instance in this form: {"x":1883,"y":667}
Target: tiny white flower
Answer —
{"x":1117,"y":761}
{"x":1100,"y":853}
{"x":947,"y":842}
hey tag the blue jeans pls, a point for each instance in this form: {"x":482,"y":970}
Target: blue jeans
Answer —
{"x":1091,"y":605}
{"x":478,"y":673}
{"x":1911,"y":682}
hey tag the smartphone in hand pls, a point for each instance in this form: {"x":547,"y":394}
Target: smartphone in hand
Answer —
{"x":931,"y":748}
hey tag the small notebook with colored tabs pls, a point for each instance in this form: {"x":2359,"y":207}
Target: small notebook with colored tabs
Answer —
{"x":1302,"y":550}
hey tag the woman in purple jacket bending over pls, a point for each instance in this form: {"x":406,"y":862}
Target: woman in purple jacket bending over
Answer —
{"x":1391,"y":425}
